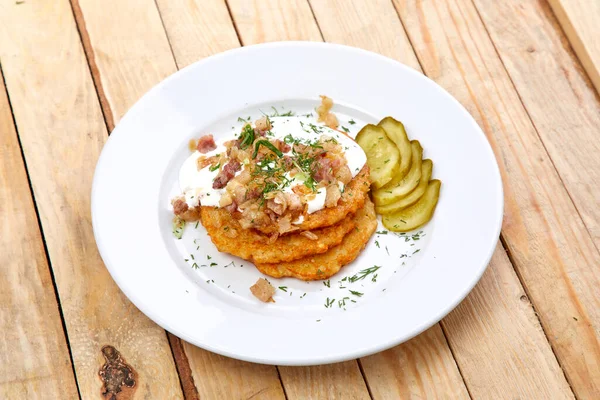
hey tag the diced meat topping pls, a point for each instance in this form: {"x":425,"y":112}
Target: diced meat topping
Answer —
{"x":205,"y":144}
{"x":333,"y":195}
{"x":179,"y":206}
{"x":263,"y":290}
{"x":325,"y":169}
{"x":226,"y":174}
{"x":263,"y":124}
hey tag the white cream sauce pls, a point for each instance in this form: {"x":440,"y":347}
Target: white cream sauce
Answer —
{"x":196,"y":185}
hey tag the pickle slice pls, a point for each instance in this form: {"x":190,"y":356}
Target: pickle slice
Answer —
{"x":396,"y":132}
{"x":418,"y":214}
{"x":412,"y":197}
{"x":383,"y":157}
{"x":401,"y":186}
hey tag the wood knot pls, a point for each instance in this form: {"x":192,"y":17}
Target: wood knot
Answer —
{"x":524,"y":299}
{"x":116,"y":375}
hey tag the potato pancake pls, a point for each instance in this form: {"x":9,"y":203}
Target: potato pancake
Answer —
{"x":325,"y":265}
{"x":249,"y":244}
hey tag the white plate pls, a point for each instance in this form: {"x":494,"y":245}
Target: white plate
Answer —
{"x":212,"y":307}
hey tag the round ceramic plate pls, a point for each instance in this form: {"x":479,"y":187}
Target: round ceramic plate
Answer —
{"x":400,"y":284}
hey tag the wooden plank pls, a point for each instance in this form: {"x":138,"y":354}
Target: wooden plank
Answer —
{"x":428,"y":28}
{"x":422,"y":368}
{"x":205,"y":26}
{"x":122,"y":59}
{"x":557,"y":94}
{"x":551,"y":249}
{"x":34,"y":360}
{"x":333,"y":381}
{"x":273,"y":20}
{"x":219,"y":377}
{"x":579,"y":20}
{"x":61,"y":129}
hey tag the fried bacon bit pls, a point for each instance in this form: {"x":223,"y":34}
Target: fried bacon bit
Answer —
{"x":325,"y":114}
{"x":205,"y":144}
{"x":263,"y":290}
{"x":232,"y":207}
{"x":332,"y":196}
{"x":284,"y":225}
{"x":226,"y":174}
{"x":309,"y":235}
{"x":203,"y":161}
{"x":263,"y":124}
{"x":344,"y":175}
{"x":325,"y":168}
{"x":179,"y":206}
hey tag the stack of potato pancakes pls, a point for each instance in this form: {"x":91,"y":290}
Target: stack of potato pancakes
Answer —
{"x":324,"y":242}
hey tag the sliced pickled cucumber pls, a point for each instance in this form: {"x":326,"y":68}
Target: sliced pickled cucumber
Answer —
{"x":416,"y":215}
{"x":383,"y":157}
{"x":401,"y":186}
{"x":396,"y":132}
{"x":412,"y":197}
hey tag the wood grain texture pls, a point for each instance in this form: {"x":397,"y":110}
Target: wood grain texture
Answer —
{"x":122,"y":59}
{"x":199,"y":28}
{"x":498,"y":342}
{"x":556,"y":92}
{"x":549,"y":244}
{"x":341,"y":20}
{"x":219,"y":377}
{"x":371,"y":25}
{"x":61,"y":129}
{"x":422,"y":368}
{"x":562,"y":105}
{"x":259,"y":21}
{"x":332,"y":381}
{"x":579,"y":20}
{"x":34,"y":357}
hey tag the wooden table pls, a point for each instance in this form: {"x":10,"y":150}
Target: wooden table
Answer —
{"x":529,"y":330}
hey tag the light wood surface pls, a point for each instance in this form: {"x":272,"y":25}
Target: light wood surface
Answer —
{"x":34,"y":357}
{"x":528,"y":330}
{"x":342,"y":23}
{"x":422,"y":368}
{"x":579,"y":20}
{"x":61,"y":128}
{"x":563,"y":285}
{"x":333,"y":381}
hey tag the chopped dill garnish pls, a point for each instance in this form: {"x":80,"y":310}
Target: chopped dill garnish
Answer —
{"x":329,"y":302}
{"x":283,"y":288}
{"x":363,"y":274}
{"x":246,"y":137}
{"x":268,"y":145}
